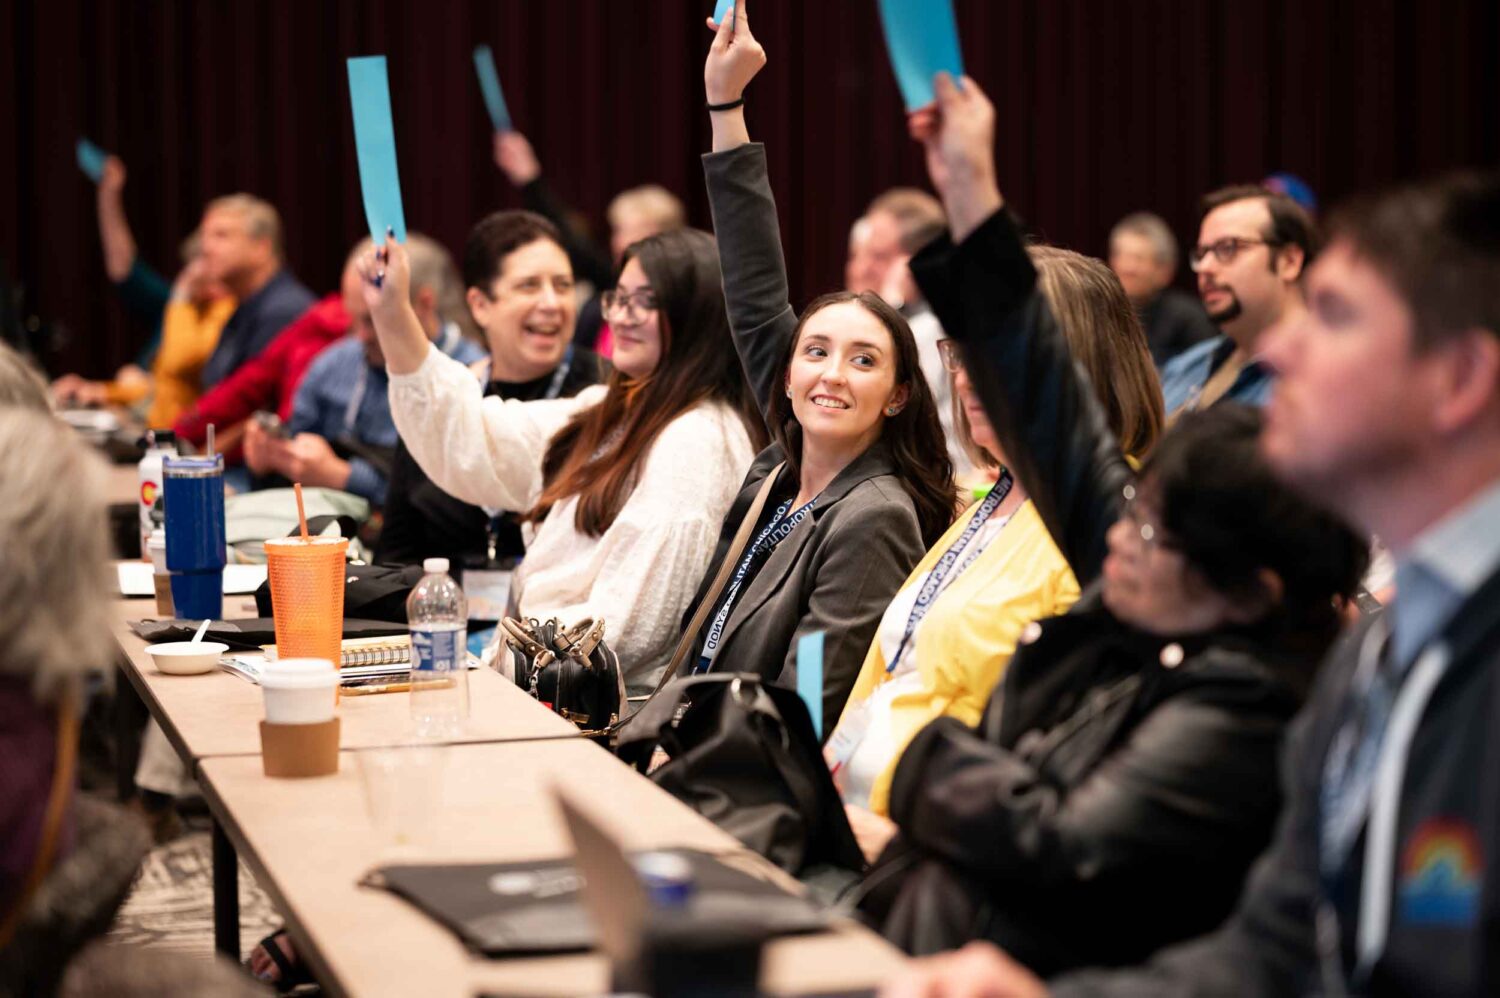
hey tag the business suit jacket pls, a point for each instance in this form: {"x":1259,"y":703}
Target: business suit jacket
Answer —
{"x":838,"y":569}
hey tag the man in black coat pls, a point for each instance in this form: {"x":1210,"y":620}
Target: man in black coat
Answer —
{"x":1143,"y":255}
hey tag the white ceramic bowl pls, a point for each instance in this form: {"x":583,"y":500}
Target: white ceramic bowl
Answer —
{"x":186,"y":658}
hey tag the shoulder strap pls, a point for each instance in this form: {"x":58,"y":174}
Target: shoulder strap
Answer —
{"x":63,"y":769}
{"x":726,"y":568}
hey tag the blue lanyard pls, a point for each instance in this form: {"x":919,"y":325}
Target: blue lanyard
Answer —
{"x":933,"y":586}
{"x":775,"y":532}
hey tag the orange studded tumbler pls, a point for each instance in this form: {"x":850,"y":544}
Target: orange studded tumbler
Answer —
{"x":307,"y":595}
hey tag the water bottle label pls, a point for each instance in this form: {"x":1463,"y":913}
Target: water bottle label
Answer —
{"x":434,"y":650}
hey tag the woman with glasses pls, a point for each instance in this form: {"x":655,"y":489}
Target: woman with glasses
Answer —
{"x":626,"y":482}
{"x":1123,"y":777}
{"x":947,"y":636}
{"x":862,"y":481}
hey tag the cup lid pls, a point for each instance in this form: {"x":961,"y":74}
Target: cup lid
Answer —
{"x":192,"y":467}
{"x":298,"y":673}
{"x":297,"y":542}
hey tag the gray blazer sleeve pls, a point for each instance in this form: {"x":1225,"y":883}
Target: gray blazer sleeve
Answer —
{"x":755,"y":286}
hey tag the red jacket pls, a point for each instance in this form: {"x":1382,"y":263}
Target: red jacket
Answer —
{"x":269,"y":379}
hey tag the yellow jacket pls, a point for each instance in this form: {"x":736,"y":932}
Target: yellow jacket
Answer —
{"x":188,"y":337}
{"x":969,"y":633}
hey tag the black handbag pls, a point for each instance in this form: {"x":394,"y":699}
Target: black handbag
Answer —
{"x":371,"y":592}
{"x":743,"y":754}
{"x":568,"y":669}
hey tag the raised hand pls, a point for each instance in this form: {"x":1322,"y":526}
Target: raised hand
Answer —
{"x":385,"y":284}
{"x":958,"y":135}
{"x":112,"y":178}
{"x":516,"y":159}
{"x":733,"y":59}
{"x":386,"y":278}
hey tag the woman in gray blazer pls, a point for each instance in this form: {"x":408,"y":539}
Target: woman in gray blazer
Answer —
{"x":865,"y":484}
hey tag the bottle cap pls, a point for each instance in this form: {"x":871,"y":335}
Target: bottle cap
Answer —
{"x":432,"y":565}
{"x":667,"y":877}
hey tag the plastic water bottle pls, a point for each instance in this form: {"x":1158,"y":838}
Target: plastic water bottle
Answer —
{"x":438,"y":616}
{"x":159,"y":444}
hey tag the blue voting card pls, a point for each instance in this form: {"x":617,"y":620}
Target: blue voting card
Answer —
{"x":723,"y":9}
{"x":91,"y":160}
{"x":489,"y":84}
{"x":810,"y":677}
{"x":375,"y":142}
{"x":922,"y":37}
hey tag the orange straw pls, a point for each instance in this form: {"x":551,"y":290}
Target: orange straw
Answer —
{"x":301,"y":513}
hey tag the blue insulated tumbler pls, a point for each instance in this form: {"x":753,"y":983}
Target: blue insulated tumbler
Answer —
{"x":193,"y":488}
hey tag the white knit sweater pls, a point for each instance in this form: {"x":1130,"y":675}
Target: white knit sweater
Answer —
{"x":642,"y":572}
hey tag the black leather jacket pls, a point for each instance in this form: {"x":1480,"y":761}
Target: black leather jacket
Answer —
{"x":1119,"y":784}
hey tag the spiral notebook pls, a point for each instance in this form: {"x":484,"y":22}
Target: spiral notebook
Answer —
{"x":361,"y":660}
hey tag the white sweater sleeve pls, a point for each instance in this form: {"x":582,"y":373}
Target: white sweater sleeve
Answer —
{"x":485,"y":451}
{"x":655,"y":553}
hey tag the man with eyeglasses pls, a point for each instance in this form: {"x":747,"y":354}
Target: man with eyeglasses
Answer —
{"x":1253,"y":247}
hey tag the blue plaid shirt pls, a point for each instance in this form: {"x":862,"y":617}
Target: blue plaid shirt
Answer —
{"x":343,"y":396}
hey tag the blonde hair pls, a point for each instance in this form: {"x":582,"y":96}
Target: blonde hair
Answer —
{"x":1105,"y":339}
{"x":261,"y":218}
{"x":55,"y":586}
{"x":919,"y":216}
{"x":20,"y":382}
{"x":653,"y":201}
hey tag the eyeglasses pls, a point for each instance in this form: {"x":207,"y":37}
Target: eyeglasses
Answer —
{"x":1224,"y":250}
{"x":634,"y":304}
{"x":1151,"y":534}
{"x":953,"y":360}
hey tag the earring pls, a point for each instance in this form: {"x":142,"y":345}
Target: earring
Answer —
{"x":788,"y":391}
{"x":891,"y":410}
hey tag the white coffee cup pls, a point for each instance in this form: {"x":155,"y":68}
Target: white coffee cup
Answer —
{"x":156,"y":547}
{"x":299,"y":690}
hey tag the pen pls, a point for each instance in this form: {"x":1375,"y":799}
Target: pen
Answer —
{"x":366,"y":690}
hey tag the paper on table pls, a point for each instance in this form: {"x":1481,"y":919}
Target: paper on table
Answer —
{"x":91,"y":160}
{"x":135,"y":578}
{"x":922,"y":38}
{"x":810,"y":677}
{"x":489,"y":85}
{"x":375,"y":143}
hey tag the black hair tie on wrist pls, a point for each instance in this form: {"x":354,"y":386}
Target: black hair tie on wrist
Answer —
{"x":729,"y":106}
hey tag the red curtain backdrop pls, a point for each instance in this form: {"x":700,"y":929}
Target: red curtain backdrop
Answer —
{"x":1105,"y":107}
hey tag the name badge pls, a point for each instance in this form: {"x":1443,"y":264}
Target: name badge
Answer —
{"x":846,"y":737}
{"x":488,"y":592}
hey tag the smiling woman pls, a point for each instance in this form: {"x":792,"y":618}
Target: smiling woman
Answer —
{"x":624,"y":483}
{"x":862,"y":478}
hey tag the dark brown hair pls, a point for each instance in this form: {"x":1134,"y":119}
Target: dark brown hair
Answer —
{"x":1291,"y":225}
{"x":914,"y":435}
{"x":598,"y":454}
{"x":497,"y":236}
{"x":1438,"y":243}
{"x":1230,"y":517}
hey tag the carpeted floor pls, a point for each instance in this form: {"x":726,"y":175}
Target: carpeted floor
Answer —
{"x":172,"y":904}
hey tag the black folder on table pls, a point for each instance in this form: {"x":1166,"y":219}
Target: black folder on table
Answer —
{"x":513,"y":909}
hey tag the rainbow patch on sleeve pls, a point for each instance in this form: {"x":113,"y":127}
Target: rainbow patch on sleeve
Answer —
{"x":1441,"y":869}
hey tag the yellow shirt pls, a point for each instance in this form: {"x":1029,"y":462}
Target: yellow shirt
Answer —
{"x":969,"y":633}
{"x":188,"y":337}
